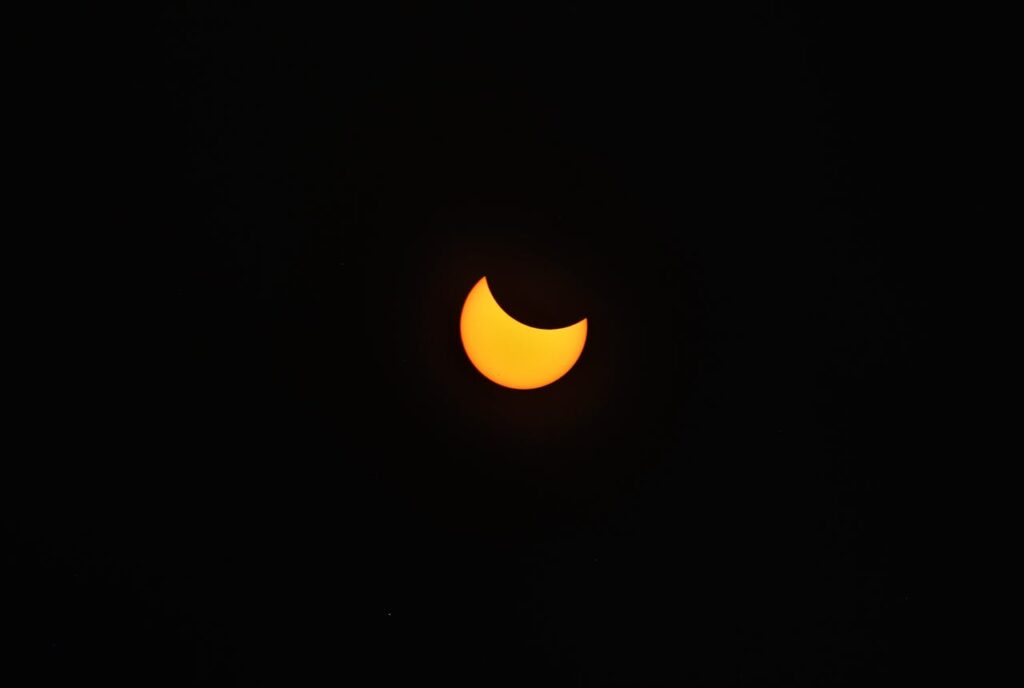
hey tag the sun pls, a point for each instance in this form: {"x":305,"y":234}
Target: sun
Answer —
{"x":510,"y":353}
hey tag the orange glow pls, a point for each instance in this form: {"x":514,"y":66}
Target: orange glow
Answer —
{"x":513,"y":354}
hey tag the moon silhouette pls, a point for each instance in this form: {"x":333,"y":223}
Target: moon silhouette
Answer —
{"x":510,"y":353}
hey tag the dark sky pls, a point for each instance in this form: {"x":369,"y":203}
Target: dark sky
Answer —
{"x":265,"y":459}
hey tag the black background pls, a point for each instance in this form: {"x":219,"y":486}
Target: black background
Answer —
{"x":264,"y":457}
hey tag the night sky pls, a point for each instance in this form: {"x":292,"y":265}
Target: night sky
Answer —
{"x":260,"y":453}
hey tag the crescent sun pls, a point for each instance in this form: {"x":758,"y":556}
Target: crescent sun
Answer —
{"x":510,"y":353}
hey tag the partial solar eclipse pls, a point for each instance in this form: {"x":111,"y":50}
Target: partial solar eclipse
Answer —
{"x":510,"y":353}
